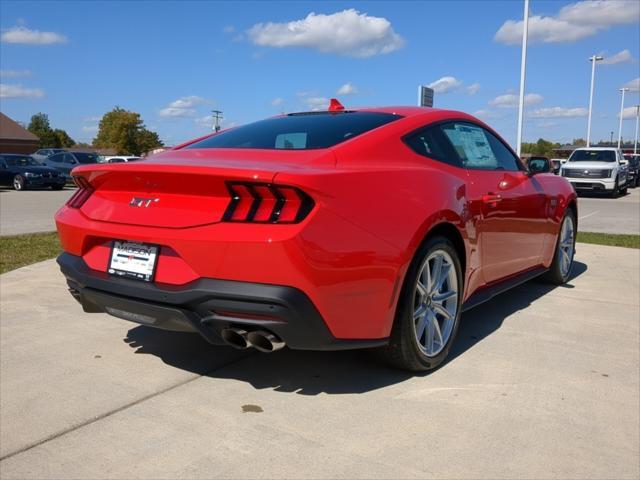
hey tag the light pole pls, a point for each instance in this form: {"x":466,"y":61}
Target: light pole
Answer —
{"x":623,"y":90}
{"x":523,"y":73}
{"x":635,"y":143}
{"x":593,"y":59}
{"x":217,"y":116}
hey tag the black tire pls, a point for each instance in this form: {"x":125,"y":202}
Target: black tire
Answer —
{"x":19,"y":183}
{"x":555,"y":273}
{"x":616,"y":189}
{"x":623,"y":191}
{"x":403,"y":350}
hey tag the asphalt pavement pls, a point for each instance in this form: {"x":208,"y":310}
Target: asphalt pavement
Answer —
{"x":543,"y":383}
{"x":32,"y":211}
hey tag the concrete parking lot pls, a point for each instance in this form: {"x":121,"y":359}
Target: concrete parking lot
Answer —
{"x":32,"y":211}
{"x":543,"y":383}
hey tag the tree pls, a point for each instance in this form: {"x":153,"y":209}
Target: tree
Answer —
{"x":541,"y":147}
{"x":125,"y":132}
{"x":63,"y":139}
{"x":579,"y":142}
{"x":49,"y":138}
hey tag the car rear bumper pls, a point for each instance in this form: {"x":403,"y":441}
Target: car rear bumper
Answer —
{"x":206,"y":306}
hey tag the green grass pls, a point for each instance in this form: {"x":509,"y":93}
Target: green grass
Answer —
{"x":611,"y":239}
{"x":20,"y":250}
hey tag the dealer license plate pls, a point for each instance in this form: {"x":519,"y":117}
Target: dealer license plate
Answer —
{"x":133,"y":260}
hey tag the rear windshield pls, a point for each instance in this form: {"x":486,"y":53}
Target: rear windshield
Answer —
{"x":593,"y":156}
{"x":18,"y":161}
{"x":302,"y":131}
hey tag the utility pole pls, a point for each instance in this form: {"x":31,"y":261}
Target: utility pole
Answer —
{"x":523,"y":74}
{"x":593,"y":59}
{"x":623,"y":90}
{"x":611,"y":141}
{"x":217,"y":116}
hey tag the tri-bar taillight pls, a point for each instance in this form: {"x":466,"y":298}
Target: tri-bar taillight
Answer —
{"x":85,"y":190}
{"x":266,"y":203}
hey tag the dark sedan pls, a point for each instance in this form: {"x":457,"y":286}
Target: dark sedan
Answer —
{"x":23,"y":172}
{"x":64,"y":162}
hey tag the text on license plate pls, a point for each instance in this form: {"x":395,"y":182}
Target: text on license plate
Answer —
{"x":133,"y":260}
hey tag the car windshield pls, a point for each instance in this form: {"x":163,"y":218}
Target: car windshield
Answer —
{"x":21,"y":161}
{"x":86,"y":157}
{"x":298,"y":131}
{"x":593,"y":156}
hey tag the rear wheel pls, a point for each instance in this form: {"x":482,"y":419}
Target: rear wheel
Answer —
{"x":562,"y":264}
{"x":18,"y":182}
{"x":428,"y":312}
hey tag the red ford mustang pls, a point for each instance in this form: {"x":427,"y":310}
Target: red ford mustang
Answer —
{"x":325,"y":230}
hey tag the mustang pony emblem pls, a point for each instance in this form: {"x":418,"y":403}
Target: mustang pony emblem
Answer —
{"x":142,"y":201}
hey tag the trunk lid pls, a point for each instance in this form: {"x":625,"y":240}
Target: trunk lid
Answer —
{"x":184,"y":188}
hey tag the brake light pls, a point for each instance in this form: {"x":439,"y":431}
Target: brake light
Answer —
{"x":85,"y":190}
{"x":266,"y":203}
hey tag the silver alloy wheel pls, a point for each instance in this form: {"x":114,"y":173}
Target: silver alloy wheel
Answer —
{"x":566,"y":246}
{"x":435,"y":302}
{"x":18,"y":182}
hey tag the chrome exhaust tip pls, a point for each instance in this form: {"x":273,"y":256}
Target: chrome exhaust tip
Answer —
{"x":265,"y":342}
{"x":236,"y":337}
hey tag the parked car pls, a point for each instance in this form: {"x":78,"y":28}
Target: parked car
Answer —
{"x":45,"y":153}
{"x":320,"y":231}
{"x":633,"y":166}
{"x":120,"y":159}
{"x":66,"y":161}
{"x":597,"y":169}
{"x":23,"y":172}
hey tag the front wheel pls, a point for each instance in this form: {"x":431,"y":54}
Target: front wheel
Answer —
{"x":428,"y":312}
{"x":18,"y":183}
{"x":562,"y":264}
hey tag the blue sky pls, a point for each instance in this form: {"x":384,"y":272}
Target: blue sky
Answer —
{"x":174,"y":62}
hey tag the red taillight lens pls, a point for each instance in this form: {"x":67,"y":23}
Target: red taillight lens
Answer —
{"x":266,"y":203}
{"x":85,"y":190}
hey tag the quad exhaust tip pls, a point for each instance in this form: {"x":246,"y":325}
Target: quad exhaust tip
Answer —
{"x":265,"y":342}
{"x":262,"y":341}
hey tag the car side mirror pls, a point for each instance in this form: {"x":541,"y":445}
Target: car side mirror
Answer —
{"x":624,"y":162}
{"x":539,"y":165}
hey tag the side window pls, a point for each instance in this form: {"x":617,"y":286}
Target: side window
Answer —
{"x":431,"y":143}
{"x":56,"y":158}
{"x":479,"y":149}
{"x":68,"y":158}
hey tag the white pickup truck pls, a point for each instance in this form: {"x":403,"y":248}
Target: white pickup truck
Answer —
{"x":597,"y":169}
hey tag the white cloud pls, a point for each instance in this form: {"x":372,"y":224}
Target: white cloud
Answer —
{"x":558,"y":112}
{"x":206,"y":121}
{"x":15,"y":73}
{"x":276,"y":102}
{"x":90,"y":128}
{"x":25,"y":36}
{"x":316,"y":103}
{"x":488,"y":114}
{"x":229,"y":29}
{"x":182,"y":107}
{"x":445,"y":85}
{"x":628,"y":112}
{"x":348,"y":32}
{"x":347,"y":89}
{"x":573,"y":22}
{"x":601,"y":13}
{"x":473,"y":89}
{"x":620,"y":57}
{"x":547,"y":124}
{"x":18,"y":91}
{"x":510,"y":100}
{"x":633,"y":85}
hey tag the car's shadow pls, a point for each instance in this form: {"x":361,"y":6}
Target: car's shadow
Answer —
{"x":311,"y":373}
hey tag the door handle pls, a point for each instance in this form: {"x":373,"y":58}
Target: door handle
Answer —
{"x":491,"y":198}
